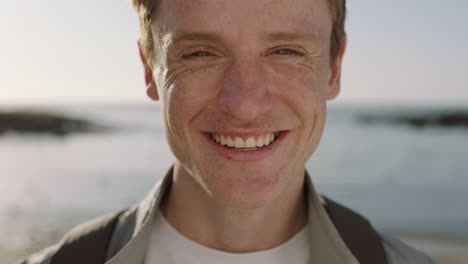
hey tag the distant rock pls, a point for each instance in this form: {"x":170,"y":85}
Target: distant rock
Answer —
{"x":45,"y":122}
{"x":456,"y":119}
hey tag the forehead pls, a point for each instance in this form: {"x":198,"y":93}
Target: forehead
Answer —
{"x":244,"y":17}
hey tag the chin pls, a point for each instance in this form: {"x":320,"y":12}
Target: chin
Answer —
{"x":244,"y":189}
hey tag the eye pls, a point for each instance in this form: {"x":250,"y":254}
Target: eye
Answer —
{"x":287,"y":52}
{"x":198,"y":54}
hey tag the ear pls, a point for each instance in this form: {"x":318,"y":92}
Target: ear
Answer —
{"x":151,"y":89}
{"x":335,"y":79}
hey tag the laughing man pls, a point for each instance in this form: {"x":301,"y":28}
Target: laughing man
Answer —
{"x":243,"y":87}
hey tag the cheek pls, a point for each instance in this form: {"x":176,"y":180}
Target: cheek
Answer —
{"x":304,"y":92}
{"x":302,"y":89}
{"x":186,"y":98}
{"x":192,"y":91}
{"x":189,"y":83}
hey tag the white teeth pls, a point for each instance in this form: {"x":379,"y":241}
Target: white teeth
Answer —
{"x":230,"y":142}
{"x":260,"y":142}
{"x":251,"y":143}
{"x":238,"y":142}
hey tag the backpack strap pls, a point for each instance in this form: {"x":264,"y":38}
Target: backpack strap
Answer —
{"x":357,"y":233}
{"x":87,"y":243}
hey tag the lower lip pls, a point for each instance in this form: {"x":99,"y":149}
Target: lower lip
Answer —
{"x":250,"y":155}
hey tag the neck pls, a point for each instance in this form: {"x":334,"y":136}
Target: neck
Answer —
{"x":203,"y":219}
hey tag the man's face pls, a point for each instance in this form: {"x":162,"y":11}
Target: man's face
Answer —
{"x":234,"y":76}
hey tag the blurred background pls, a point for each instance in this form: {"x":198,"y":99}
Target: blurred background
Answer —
{"x":79,"y":138}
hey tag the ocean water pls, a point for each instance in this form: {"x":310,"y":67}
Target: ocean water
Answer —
{"x":404,"y":179}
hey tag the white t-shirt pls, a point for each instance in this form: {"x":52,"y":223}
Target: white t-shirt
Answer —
{"x":168,"y":246}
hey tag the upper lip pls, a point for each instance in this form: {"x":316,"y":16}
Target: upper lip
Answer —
{"x":245,"y":134}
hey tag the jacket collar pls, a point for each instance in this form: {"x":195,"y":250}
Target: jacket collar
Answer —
{"x":128,"y":243}
{"x":326,"y":245}
{"x":131,"y":235}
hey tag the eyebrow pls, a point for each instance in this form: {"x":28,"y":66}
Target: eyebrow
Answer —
{"x":292,"y":36}
{"x":196,"y":36}
{"x":214,"y":37}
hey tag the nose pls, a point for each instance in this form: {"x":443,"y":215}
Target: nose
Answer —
{"x":245,"y":91}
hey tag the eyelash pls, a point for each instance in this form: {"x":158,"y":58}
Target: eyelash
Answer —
{"x":198,"y":54}
{"x":203,"y":53}
{"x":288,"y":52}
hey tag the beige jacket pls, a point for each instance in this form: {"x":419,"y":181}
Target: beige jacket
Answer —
{"x":130,"y":238}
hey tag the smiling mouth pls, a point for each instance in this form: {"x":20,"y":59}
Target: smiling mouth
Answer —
{"x":248,"y":144}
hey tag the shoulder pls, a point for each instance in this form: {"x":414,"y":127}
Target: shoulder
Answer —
{"x":42,"y":257}
{"x":400,"y":253}
{"x":83,"y":230}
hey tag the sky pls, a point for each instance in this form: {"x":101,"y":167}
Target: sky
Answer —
{"x":68,"y":51}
